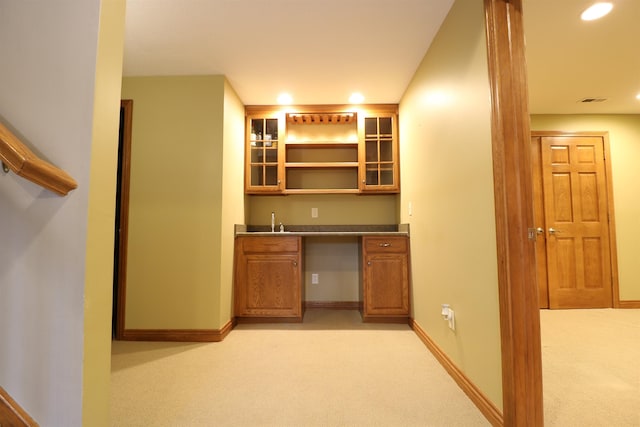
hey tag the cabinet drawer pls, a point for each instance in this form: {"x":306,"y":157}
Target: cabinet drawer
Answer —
{"x":385,"y":244}
{"x":270,"y":244}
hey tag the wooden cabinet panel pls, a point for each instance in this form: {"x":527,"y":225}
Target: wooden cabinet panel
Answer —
{"x":386,"y":245}
{"x":385,"y":272}
{"x":268,"y":277}
{"x":271,"y":286}
{"x":268,"y":244}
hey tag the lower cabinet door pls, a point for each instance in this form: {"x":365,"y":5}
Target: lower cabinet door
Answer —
{"x":269,"y":286}
{"x":386,"y":285}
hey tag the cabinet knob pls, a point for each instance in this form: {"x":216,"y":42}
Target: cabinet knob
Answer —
{"x":384,"y":245}
{"x":368,"y":262}
{"x":295,"y":263}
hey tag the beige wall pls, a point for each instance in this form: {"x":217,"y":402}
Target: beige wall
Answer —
{"x":624,"y":140}
{"x":447,"y":177}
{"x":175,"y":210}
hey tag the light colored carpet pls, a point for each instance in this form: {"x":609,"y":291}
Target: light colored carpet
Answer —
{"x":591,"y":367}
{"x":331,"y":370}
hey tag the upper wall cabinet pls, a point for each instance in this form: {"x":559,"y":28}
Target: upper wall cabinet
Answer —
{"x":321,"y":149}
{"x":263,"y":166}
{"x":379,"y":154}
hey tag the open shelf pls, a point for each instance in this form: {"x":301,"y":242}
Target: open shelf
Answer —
{"x":322,"y":178}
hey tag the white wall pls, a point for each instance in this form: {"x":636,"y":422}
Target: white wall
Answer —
{"x":47,"y":79}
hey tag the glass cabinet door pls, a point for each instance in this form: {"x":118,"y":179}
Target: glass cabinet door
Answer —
{"x":380,"y":168}
{"x":263,"y":170}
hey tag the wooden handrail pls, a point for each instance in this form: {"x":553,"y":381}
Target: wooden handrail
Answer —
{"x":23,"y":162}
{"x":12,"y":414}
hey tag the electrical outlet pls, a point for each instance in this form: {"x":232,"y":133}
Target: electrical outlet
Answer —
{"x":449,"y":316}
{"x":314,"y":212}
{"x":314,"y":278}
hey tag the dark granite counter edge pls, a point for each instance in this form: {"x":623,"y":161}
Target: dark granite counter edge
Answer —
{"x":318,"y":230}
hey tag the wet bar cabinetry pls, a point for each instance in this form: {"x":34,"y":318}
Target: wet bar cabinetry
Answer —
{"x":322,"y":149}
{"x":385,"y":278}
{"x":268,"y":273}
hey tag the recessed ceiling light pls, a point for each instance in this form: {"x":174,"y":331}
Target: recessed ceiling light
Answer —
{"x":596,"y":11}
{"x":285,"y":99}
{"x":638,"y":97}
{"x":356,"y":98}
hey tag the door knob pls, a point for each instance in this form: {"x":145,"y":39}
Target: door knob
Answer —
{"x":553,"y":230}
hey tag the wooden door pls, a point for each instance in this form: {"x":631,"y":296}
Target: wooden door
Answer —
{"x":572,"y":202}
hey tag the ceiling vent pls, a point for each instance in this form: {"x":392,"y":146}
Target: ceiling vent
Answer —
{"x":588,"y":100}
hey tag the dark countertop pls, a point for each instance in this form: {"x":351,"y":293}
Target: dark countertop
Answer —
{"x":324,"y":230}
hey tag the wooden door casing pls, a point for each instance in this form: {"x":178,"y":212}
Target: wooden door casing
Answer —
{"x":572,"y":202}
{"x":538,"y":215}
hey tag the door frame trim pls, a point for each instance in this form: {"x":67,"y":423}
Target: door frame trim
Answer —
{"x":127,"y":105}
{"x":608,"y":172}
{"x":517,"y":289}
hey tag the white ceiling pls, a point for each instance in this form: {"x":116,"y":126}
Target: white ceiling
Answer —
{"x":322,"y":51}
{"x":569,"y":60}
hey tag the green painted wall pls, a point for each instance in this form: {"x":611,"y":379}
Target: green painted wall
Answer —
{"x":232,"y":202}
{"x":624,"y":141}
{"x":447,"y":179}
{"x":98,"y":293}
{"x":332,"y":209}
{"x":176,"y":198}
